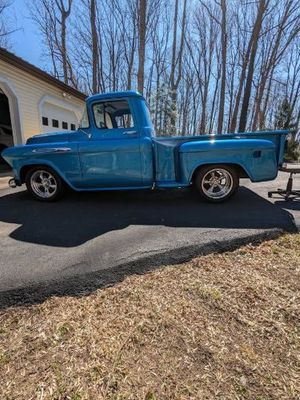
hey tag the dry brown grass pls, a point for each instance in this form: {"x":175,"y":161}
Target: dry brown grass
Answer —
{"x":223,"y":326}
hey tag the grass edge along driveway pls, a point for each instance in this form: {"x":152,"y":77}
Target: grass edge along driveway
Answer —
{"x":220,"y":326}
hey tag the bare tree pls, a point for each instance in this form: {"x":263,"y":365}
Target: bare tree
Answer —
{"x":51,"y":17}
{"x":291,"y":85}
{"x":95,"y":47}
{"x":282,"y":28}
{"x":159,"y":40}
{"x":5,"y":29}
{"x":177,"y":59}
{"x":261,"y":9}
{"x":223,"y":6}
{"x":202,"y":51}
{"x":243,"y":48}
{"x":142,"y":44}
{"x":223,"y":25}
{"x":64,"y":10}
{"x":127,"y":18}
{"x":202,"y":65}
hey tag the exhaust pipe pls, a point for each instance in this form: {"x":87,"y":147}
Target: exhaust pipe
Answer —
{"x":12,"y":183}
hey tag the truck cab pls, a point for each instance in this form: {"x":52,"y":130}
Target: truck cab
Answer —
{"x":116,"y":148}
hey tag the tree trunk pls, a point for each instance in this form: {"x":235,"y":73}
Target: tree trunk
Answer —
{"x":248,"y":86}
{"x":64,"y":49}
{"x":65,"y":12}
{"x":142,"y":45}
{"x":176,"y":63}
{"x":224,"y":62}
{"x":95,"y":48}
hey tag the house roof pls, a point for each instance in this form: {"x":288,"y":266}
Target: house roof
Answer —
{"x":23,"y":65}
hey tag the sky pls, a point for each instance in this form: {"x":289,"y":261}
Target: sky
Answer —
{"x":25,"y":41}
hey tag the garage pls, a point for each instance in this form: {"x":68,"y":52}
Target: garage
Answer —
{"x":55,"y":117}
{"x":33,"y":102}
{"x":6,"y":136}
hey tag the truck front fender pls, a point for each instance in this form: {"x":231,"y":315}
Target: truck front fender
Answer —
{"x":62,"y":159}
{"x":21,"y":171}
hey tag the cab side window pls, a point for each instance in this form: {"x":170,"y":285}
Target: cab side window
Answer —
{"x":113,"y":115}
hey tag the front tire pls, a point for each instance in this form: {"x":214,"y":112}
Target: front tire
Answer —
{"x":216,"y":183}
{"x":44,"y":184}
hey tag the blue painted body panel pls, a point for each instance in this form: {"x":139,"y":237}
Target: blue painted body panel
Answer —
{"x":234,"y":151}
{"x":108,"y":159}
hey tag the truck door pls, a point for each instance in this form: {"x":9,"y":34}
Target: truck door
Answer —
{"x":111,"y":156}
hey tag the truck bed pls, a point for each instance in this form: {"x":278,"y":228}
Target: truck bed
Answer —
{"x":168,"y":149}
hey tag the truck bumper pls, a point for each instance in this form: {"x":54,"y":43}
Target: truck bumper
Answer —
{"x":13,"y":183}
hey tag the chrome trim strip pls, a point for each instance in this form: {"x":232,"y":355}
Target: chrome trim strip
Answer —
{"x":52,"y":150}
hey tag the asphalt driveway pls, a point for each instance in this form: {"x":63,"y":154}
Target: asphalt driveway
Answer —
{"x":96,"y":238}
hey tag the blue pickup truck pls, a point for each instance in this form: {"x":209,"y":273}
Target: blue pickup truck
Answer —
{"x":115,"y":148}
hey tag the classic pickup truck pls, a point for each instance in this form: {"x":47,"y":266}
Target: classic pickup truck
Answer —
{"x":115,"y":148}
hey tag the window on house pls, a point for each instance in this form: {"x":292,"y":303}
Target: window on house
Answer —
{"x":64,"y":125}
{"x":45,"y":121}
{"x":55,"y":123}
{"x":73,"y":127}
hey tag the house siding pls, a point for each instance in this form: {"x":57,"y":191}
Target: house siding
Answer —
{"x":30,"y":91}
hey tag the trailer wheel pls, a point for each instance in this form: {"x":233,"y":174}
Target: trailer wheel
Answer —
{"x":216,"y":183}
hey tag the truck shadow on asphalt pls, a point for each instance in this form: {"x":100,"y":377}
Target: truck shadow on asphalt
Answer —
{"x":84,"y":216}
{"x":80,"y":217}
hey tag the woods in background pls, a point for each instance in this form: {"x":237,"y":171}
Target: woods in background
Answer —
{"x":5,"y":24}
{"x":205,"y":66}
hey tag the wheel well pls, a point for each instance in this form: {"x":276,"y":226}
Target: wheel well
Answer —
{"x":24,"y":170}
{"x":239,"y":169}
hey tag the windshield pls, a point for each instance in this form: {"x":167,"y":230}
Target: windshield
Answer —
{"x":148,"y":118}
{"x":84,"y":123}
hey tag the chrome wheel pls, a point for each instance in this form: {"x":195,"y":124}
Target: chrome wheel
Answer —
{"x":43,"y":184}
{"x":217,"y":183}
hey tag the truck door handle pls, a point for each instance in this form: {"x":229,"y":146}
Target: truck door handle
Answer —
{"x":129,"y":133}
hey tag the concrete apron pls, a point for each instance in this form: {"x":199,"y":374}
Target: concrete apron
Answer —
{"x":5,"y":176}
{"x":4,"y":182}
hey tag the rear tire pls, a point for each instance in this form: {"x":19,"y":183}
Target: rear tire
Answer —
{"x":44,"y":184}
{"x":216,"y":183}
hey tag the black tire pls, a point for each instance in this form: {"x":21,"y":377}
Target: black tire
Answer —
{"x":208,"y":181}
{"x":53,"y":184}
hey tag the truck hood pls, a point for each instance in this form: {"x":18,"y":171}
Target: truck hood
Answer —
{"x":53,"y":137}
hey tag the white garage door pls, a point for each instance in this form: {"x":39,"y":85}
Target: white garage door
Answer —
{"x":55,"y":118}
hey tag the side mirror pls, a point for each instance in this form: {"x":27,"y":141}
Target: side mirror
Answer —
{"x":89,"y":135}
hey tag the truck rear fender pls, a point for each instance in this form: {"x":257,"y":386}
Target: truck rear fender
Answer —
{"x":241,"y":172}
{"x":253,"y":158}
